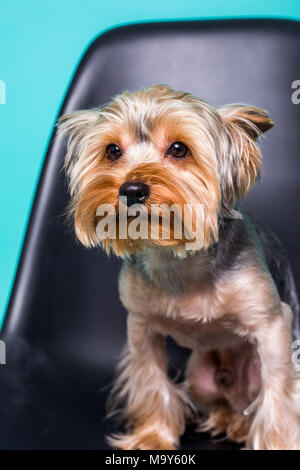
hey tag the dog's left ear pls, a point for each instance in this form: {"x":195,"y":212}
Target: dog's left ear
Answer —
{"x":241,"y":163}
{"x":252,"y":120}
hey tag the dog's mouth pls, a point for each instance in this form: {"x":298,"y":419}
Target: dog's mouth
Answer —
{"x":143,"y":217}
{"x":136,"y":226}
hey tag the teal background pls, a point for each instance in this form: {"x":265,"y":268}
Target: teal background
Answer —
{"x":41,"y":43}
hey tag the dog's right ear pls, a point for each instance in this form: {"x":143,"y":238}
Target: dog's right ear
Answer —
{"x":77,"y":122}
{"x":76,"y":126}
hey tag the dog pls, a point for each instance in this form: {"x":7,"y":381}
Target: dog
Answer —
{"x":230,"y":298}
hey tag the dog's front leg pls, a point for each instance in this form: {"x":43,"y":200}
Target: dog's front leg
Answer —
{"x":276,"y":411}
{"x":155,"y":407}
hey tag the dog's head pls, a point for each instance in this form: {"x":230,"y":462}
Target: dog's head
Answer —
{"x":153,"y":150}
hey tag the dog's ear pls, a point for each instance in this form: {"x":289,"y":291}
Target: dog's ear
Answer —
{"x":252,"y":120}
{"x":77,"y":121}
{"x":242,"y":161}
{"x":75,"y":126}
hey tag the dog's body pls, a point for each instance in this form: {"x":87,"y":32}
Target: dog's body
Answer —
{"x":188,"y":300}
{"x":231,"y":302}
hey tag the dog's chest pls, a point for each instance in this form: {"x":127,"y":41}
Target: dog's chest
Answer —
{"x":140,"y":295}
{"x":205,"y":337}
{"x":191,"y":317}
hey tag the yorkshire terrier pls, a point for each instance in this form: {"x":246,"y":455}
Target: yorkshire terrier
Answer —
{"x":230,"y":299}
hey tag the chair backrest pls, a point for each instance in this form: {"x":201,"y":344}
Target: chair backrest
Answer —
{"x":66,"y":296}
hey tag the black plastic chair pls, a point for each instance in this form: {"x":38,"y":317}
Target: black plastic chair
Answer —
{"x":64,"y":305}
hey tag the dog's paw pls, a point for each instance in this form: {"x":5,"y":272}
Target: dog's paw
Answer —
{"x":140,"y":440}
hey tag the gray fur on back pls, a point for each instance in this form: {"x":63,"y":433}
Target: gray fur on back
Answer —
{"x":280,"y":269}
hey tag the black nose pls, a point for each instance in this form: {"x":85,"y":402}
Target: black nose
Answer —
{"x":135,"y":192}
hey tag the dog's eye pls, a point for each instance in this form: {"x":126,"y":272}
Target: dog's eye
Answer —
{"x":113,"y":152}
{"x":178,"y":150}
